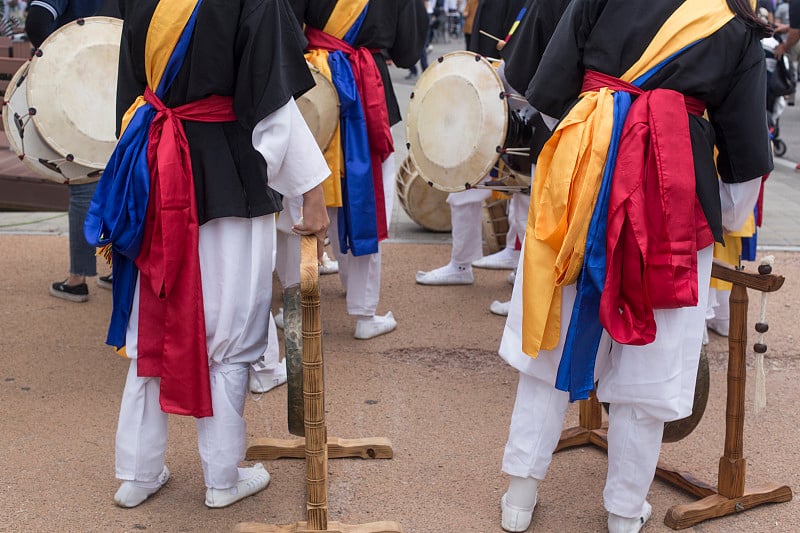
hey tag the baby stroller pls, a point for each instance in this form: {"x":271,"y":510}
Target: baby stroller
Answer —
{"x":781,"y":82}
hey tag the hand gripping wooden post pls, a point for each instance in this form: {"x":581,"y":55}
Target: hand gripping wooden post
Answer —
{"x":316,"y":448}
{"x":730,"y":495}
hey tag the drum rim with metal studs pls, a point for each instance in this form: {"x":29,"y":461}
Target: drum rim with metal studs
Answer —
{"x":457,"y":120}
{"x":71,"y":87}
{"x":34,"y":152}
{"x":320,"y":108}
{"x":422,"y":203}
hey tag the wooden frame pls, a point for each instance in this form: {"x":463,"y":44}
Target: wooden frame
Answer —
{"x":730,"y":495}
{"x":317,"y":445}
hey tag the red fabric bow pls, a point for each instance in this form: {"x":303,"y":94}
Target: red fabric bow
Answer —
{"x":656,"y":224}
{"x":373,"y":100}
{"x":172,"y":331}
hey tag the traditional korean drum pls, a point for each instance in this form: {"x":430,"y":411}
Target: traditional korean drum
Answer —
{"x":60,"y":107}
{"x":320,"y":108}
{"x":459,"y":124}
{"x":495,"y":224}
{"x":422,"y":203}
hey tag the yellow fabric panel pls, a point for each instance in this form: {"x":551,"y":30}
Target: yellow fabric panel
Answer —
{"x":166,"y":26}
{"x":344,"y":15}
{"x":692,"y":21}
{"x":564,"y":192}
{"x":332,"y":186}
{"x":728,"y":254}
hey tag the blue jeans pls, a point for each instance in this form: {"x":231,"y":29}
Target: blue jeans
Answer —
{"x":82,"y":259}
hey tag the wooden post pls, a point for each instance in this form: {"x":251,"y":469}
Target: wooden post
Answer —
{"x":316,"y":434}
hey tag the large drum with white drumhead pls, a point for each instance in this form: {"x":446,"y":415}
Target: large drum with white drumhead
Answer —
{"x":60,"y":107}
{"x":320,"y":108}
{"x":459,"y":125}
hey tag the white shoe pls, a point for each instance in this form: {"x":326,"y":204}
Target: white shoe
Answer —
{"x":251,"y":481}
{"x":499,"y":308}
{"x":718,"y":326}
{"x":261,"y":382}
{"x":515,"y":518}
{"x":328,"y":265}
{"x":505,"y":259}
{"x":447,"y":275}
{"x":279,"y":318}
{"x":367,"y":328}
{"x":705,"y":337}
{"x":512,"y":276}
{"x":130,"y":494}
{"x":620,"y":524}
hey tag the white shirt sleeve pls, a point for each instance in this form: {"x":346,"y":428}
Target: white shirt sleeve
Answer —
{"x":738,"y":201}
{"x":295,"y":163}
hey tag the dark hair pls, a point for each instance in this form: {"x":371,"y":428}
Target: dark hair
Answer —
{"x":744,"y":9}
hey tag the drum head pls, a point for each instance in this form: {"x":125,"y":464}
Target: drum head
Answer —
{"x":320,"y":108}
{"x":72,"y":87}
{"x":24,"y":139}
{"x":457,"y":118}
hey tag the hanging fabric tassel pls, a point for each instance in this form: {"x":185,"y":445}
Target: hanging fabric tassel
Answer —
{"x":760,"y":399}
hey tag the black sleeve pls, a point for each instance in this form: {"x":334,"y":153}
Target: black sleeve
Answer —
{"x":740,"y":121}
{"x":526,"y":47}
{"x":39,"y":24}
{"x":272,"y":69}
{"x":129,"y":87}
{"x":412,"y":28}
{"x":558,"y":80}
{"x":794,"y":14}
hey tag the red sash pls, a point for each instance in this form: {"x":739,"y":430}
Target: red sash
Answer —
{"x":656,"y":224}
{"x":373,"y":100}
{"x":172,"y":330}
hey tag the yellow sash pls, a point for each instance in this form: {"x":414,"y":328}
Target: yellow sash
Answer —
{"x":568,"y":175}
{"x":166,"y":26}
{"x":344,"y":15}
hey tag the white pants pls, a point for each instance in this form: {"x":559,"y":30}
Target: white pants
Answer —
{"x":466,"y":217}
{"x":236,"y":268}
{"x":645,"y":385}
{"x":361,"y":275}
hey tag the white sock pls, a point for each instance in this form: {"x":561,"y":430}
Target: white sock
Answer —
{"x":522,"y":492}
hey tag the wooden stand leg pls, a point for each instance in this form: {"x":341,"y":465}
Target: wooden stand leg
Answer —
{"x":317,"y":446}
{"x":730,"y":497}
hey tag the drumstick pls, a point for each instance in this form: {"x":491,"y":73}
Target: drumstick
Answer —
{"x":489,"y":35}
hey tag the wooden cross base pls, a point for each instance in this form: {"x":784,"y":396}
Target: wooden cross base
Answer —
{"x":333,"y":527}
{"x":265,"y":449}
{"x":730,"y":495}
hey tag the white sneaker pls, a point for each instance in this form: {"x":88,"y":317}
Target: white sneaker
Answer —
{"x":279,"y":318}
{"x":328,"y":265}
{"x":251,"y":481}
{"x":367,"y":328}
{"x":447,"y":275}
{"x":512,"y":276}
{"x":505,"y":259}
{"x":515,"y":518}
{"x":499,"y":308}
{"x":620,"y":524}
{"x":130,"y":493}
{"x":261,"y":382}
{"x":718,"y":326}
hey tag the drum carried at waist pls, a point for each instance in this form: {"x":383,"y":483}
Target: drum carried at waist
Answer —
{"x":320,"y":108}
{"x":60,"y":107}
{"x":459,"y":126}
{"x":422,"y":203}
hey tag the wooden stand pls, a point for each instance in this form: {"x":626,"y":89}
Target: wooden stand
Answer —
{"x":730,"y":496}
{"x":317,"y":445}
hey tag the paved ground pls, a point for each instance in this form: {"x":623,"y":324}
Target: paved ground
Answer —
{"x":435,"y":387}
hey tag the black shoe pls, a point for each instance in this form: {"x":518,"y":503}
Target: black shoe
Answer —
{"x":73,"y":293}
{"x":105,"y":282}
